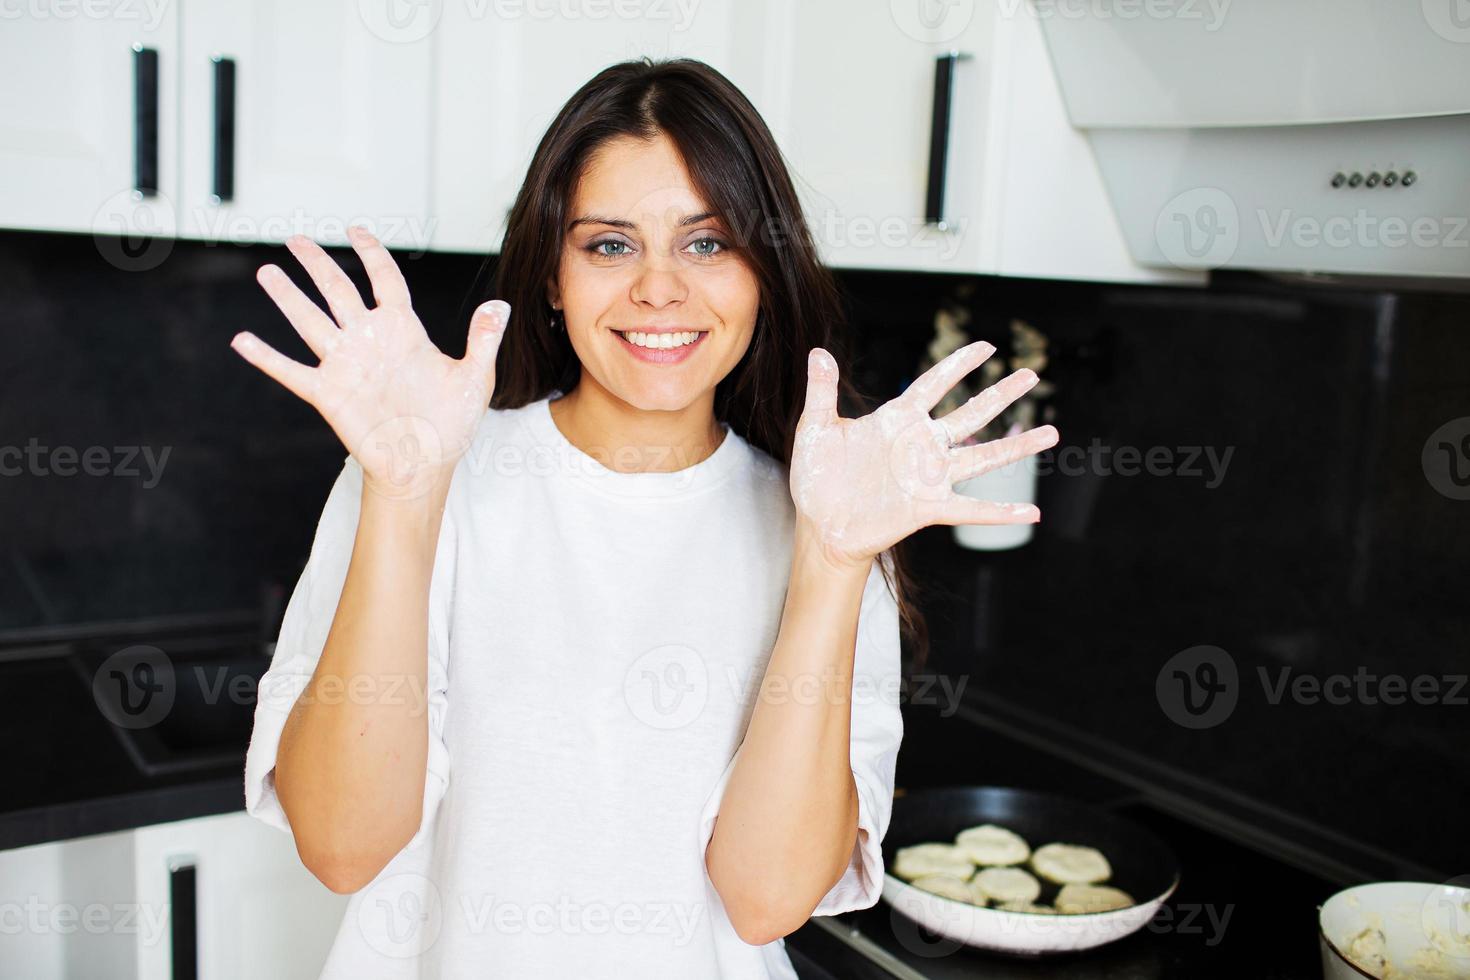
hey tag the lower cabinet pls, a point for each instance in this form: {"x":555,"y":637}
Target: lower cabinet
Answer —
{"x":226,"y":890}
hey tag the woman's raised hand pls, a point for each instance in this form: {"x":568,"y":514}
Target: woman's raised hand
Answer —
{"x":862,"y":485}
{"x":402,"y":408}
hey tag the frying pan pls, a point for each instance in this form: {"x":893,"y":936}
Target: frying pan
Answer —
{"x":1143,"y":866}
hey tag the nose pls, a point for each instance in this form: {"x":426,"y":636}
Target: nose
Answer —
{"x":660,"y":282}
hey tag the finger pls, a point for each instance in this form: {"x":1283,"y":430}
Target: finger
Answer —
{"x":389,"y":287}
{"x":985,"y":406}
{"x":487,"y":327}
{"x":294,"y":376}
{"x":971,"y":461}
{"x":342,"y":296}
{"x":314,"y":326}
{"x":934,"y":384}
{"x":821,"y":387}
{"x":960,"y":509}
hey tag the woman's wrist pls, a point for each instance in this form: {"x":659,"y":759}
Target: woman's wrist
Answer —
{"x":813,"y":553}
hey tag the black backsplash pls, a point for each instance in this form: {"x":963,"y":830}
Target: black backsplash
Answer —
{"x":1322,"y":546}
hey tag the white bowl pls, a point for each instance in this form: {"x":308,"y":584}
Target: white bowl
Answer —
{"x":1025,"y":933}
{"x":1425,"y":930}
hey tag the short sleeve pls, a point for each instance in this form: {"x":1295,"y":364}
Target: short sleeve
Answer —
{"x":308,"y":619}
{"x":876,"y":731}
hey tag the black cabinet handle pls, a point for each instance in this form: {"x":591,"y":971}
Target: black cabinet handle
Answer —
{"x":184,"y":934}
{"x":224,"y":130}
{"x":145,"y":120}
{"x":944,"y":68}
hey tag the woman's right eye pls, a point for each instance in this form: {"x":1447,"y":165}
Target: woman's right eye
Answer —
{"x":595,"y":247}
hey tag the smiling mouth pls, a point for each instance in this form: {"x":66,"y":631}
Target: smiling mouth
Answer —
{"x":668,"y":340}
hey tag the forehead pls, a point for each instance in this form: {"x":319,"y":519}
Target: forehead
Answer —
{"x":637,"y":181}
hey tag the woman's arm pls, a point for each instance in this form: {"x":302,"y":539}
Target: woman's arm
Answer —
{"x":352,"y":759}
{"x":788,"y":821}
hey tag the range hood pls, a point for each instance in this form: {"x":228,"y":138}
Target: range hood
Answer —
{"x":1320,"y":136}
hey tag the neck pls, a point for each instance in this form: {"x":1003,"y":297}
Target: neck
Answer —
{"x":628,"y":439}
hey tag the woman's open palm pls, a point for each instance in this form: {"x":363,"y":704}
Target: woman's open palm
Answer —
{"x":402,"y":408}
{"x":865,"y":484}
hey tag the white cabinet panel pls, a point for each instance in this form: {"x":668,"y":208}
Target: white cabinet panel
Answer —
{"x":67,"y":115}
{"x":332,"y":122}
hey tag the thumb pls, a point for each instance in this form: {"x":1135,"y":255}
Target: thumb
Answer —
{"x":821,"y":386}
{"x":487,"y":326}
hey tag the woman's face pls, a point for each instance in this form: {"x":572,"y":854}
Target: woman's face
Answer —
{"x":642,"y":259}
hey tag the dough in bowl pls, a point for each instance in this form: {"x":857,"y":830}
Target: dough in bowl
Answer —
{"x":932,"y":859}
{"x":1006,"y":885}
{"x":1081,"y":899}
{"x":948,"y":886}
{"x":1071,"y":864}
{"x":991,"y":845}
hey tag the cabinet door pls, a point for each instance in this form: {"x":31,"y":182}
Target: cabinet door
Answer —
{"x":259,"y":912}
{"x":70,"y":108}
{"x":505,"y":70}
{"x":332,"y":106}
{"x":858,"y":135}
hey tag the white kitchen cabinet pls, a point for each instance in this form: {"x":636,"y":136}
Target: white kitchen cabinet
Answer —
{"x":503,"y":70}
{"x":101,"y":906}
{"x":69,"y":110}
{"x":1022,"y":194}
{"x":332,"y":124}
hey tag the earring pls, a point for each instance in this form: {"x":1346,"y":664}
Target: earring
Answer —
{"x":556,"y":320}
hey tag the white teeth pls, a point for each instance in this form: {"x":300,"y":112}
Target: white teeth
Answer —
{"x":661,"y":341}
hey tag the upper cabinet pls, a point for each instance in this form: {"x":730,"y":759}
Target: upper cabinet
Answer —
{"x":303,"y":118}
{"x":928,"y":136}
{"x":920,"y":135}
{"x":87,"y":132}
{"x":503,"y":71}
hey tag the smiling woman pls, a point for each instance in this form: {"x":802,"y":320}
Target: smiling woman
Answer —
{"x":599,"y":716}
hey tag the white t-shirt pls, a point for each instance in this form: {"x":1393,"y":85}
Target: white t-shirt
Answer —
{"x":596,"y":642}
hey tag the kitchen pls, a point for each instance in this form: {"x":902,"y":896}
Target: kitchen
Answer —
{"x":1230,"y":239}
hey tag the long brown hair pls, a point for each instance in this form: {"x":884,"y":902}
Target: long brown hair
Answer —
{"x":737,"y":169}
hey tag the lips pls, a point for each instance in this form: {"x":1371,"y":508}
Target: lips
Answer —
{"x":660,"y":354}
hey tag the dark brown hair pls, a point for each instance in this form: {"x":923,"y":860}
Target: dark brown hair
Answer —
{"x":737,"y":169}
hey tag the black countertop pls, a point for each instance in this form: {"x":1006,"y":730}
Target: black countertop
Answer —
{"x":1238,"y":913}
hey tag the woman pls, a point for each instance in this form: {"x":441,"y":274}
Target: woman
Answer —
{"x":510,"y":686}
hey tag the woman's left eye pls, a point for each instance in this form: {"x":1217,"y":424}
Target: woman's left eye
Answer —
{"x":707,"y":240}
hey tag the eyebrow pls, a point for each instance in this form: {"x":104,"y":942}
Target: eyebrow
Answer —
{"x":594,"y":219}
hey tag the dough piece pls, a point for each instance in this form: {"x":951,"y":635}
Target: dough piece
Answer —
{"x":947,"y":886}
{"x":1031,"y":907}
{"x":932,"y":859}
{"x":991,"y":845}
{"x":1368,"y":951}
{"x":1081,"y":899}
{"x":1007,"y":884}
{"x":1071,"y":864}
